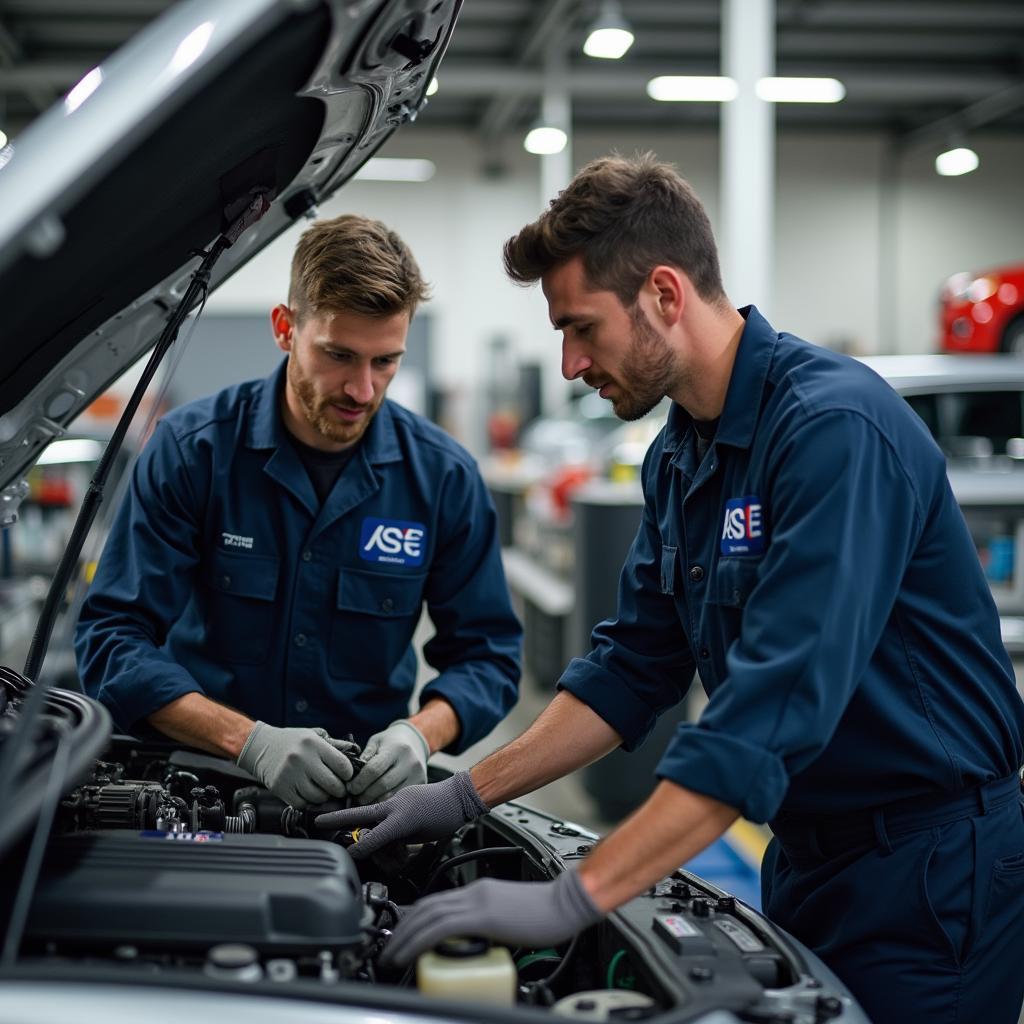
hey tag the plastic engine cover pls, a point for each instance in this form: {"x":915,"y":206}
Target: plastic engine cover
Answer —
{"x":156,"y":890}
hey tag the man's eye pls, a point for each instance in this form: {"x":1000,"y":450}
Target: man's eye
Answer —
{"x":384,"y":361}
{"x":584,"y":330}
{"x":338,"y":357}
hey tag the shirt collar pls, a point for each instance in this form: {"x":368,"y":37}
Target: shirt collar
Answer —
{"x":267,"y":430}
{"x":754,"y":356}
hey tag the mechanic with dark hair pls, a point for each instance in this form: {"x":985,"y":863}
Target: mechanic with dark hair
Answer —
{"x":800,"y":548}
{"x":259,"y":589}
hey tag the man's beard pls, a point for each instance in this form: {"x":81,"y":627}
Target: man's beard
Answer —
{"x":649,"y":370}
{"x":316,"y":411}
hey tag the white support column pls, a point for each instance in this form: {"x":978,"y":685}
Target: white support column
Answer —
{"x":556,"y":171}
{"x":556,"y":110}
{"x":747,"y":190}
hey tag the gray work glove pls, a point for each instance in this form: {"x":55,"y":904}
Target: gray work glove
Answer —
{"x":395,"y":758}
{"x":529,"y":914}
{"x":418,"y":814}
{"x":299,"y":766}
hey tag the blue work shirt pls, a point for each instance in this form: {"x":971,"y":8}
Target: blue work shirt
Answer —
{"x":817,"y":572}
{"x":223,"y":575}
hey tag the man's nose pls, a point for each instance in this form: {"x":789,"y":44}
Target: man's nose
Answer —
{"x":574,"y":362}
{"x":359,"y":385}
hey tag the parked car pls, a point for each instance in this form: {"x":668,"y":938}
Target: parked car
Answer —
{"x":146,"y":882}
{"x":983,"y":312}
{"x":974,"y":409}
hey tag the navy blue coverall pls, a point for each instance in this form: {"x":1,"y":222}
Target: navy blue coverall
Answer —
{"x":817,"y":572}
{"x":223,"y":575}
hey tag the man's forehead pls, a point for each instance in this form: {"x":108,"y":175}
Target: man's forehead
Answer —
{"x":357,"y":332}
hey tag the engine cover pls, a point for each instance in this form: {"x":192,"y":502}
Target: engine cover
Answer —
{"x":144,"y":889}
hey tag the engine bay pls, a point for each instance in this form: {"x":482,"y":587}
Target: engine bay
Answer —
{"x":173,"y":864}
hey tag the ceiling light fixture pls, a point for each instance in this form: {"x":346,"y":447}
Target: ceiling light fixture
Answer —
{"x":956,"y":160}
{"x":3,"y":139}
{"x":545,"y":140}
{"x":433,"y":87}
{"x":609,"y":36}
{"x":800,"y":90}
{"x":692,"y":89}
{"x":383,"y":168}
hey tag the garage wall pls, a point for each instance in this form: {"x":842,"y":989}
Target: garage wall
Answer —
{"x":862,"y":246}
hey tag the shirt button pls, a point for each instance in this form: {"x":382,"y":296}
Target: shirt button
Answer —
{"x":696,"y":573}
{"x":225,"y":581}
{"x":387,"y":605}
{"x":301,"y":705}
{"x":300,"y":639}
{"x":307,"y":555}
{"x":705,"y":653}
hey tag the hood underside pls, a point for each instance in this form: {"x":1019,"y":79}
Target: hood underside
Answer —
{"x":105,"y":201}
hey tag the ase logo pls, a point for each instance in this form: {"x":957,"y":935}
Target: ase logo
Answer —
{"x":743,"y":528}
{"x":392,"y":541}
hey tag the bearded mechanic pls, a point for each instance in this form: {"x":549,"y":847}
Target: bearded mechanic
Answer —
{"x":801,"y":549}
{"x":259,"y":589}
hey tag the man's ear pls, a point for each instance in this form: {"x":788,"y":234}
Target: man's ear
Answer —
{"x":282,"y":324}
{"x":667,"y":288}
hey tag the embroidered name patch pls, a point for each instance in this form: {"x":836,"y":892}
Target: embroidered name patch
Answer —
{"x":743,"y":527}
{"x":392,"y":541}
{"x":234,"y":540}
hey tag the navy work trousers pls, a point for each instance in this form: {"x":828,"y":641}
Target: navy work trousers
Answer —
{"x":919,"y":909}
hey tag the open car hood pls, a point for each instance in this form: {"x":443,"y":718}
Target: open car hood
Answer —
{"x":107,"y":198}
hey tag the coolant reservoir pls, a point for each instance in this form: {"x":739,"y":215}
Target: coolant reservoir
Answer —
{"x":464,"y":968}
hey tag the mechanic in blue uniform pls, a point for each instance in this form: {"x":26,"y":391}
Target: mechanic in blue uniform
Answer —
{"x":262,"y":580}
{"x":800,"y":547}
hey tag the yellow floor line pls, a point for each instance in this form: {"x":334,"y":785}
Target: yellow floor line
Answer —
{"x":749,"y":840}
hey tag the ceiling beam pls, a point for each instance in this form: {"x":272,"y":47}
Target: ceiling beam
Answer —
{"x":12,"y":55}
{"x":460,"y":79}
{"x":463,"y":79}
{"x":139,"y":9}
{"x":991,"y":108}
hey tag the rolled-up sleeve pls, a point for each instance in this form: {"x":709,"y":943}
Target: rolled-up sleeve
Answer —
{"x":641,"y":663}
{"x":477,"y":644}
{"x":843,"y":519}
{"x":142,"y":585}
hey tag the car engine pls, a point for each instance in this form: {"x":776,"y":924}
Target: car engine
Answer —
{"x":170,"y":868}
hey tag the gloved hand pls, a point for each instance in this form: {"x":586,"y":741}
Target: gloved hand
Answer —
{"x":300,"y":766}
{"x":395,"y":758}
{"x":515,"y":913}
{"x":417,"y":814}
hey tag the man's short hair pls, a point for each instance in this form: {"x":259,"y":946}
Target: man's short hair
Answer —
{"x":353,"y":264}
{"x":624,"y":217}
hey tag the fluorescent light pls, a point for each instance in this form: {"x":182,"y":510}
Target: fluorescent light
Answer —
{"x":800,"y":90}
{"x":3,"y":139}
{"x":73,"y":449}
{"x":382,"y":168}
{"x":956,"y":161}
{"x":81,"y":92}
{"x":692,"y":89}
{"x":609,"y":37}
{"x":433,"y":87}
{"x":545,"y":140}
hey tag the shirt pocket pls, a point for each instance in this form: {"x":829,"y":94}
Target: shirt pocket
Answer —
{"x":241,"y":612}
{"x":374,"y":619}
{"x":734,"y":579}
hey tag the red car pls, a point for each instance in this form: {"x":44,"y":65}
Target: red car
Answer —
{"x":983,"y":312}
